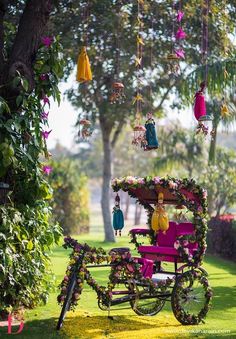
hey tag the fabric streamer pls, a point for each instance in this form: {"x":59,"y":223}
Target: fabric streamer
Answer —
{"x":84,"y":72}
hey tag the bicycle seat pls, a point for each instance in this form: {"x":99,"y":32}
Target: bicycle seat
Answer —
{"x":120,"y":250}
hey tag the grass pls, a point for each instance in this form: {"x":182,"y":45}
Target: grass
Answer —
{"x":89,"y":322}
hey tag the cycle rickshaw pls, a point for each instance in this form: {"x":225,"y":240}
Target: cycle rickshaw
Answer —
{"x":141,"y":280}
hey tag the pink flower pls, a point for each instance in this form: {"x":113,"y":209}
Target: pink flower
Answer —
{"x":156,"y":180}
{"x":46,"y":100}
{"x":185,"y":242}
{"x":44,"y":115}
{"x":47,"y":170}
{"x":172,"y":184}
{"x":141,"y":181}
{"x":204,"y":194}
{"x":45,"y":134}
{"x":180,"y":15}
{"x":180,"y":34}
{"x":177,"y":244}
{"x":47,"y":41}
{"x":190,"y":257}
{"x":43,"y":76}
{"x":180,"y":53}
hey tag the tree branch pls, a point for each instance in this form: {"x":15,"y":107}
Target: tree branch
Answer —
{"x":3,"y":8}
{"x":117,"y":133}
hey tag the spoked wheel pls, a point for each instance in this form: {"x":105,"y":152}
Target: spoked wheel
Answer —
{"x":67,"y":302}
{"x":191,"y":297}
{"x":144,"y":303}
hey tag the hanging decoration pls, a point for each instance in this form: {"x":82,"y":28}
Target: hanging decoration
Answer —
{"x":85,"y":129}
{"x":177,"y":52}
{"x":84,"y":73}
{"x":139,"y":130}
{"x":224,"y":110}
{"x":199,"y":108}
{"x":160,"y":220}
{"x":118,"y":93}
{"x":150,"y":133}
{"x":118,"y":217}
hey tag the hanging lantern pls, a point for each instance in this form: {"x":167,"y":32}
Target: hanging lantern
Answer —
{"x":139,"y":138}
{"x":85,"y":130}
{"x":150,"y":135}
{"x":118,"y":94}
{"x":172,"y":66}
{"x":118,"y":217}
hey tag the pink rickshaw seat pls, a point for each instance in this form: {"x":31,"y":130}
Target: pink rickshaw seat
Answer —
{"x":164,"y":249}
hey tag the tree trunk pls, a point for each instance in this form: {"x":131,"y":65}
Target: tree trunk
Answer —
{"x":127,"y":204}
{"x":212,"y":150}
{"x":137,"y":215}
{"x":107,"y":173}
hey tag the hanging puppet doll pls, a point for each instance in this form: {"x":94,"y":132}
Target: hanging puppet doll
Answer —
{"x":160,"y":220}
{"x":118,"y":218}
{"x":151,"y":135}
{"x":200,"y":109}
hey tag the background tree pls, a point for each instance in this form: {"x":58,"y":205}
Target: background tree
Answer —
{"x":93,"y":100}
{"x":70,"y":196}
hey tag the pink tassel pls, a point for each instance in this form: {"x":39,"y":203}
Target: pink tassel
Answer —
{"x":199,"y":104}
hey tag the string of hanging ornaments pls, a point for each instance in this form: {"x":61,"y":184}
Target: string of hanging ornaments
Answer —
{"x":84,"y":74}
{"x":143,"y":136}
{"x":224,"y":110}
{"x":118,"y":94}
{"x":178,"y":36}
{"x":200,"y":111}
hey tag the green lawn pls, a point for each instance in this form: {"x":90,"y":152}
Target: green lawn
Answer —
{"x":90,"y":322}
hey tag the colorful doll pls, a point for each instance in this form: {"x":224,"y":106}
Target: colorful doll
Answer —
{"x":151,"y":136}
{"x":118,"y":218}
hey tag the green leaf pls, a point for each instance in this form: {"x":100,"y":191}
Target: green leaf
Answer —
{"x":19,"y":100}
{"x":30,"y":245}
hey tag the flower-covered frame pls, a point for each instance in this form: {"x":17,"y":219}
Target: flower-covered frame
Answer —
{"x":176,"y":192}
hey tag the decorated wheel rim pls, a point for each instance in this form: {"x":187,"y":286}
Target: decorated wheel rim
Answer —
{"x":191,"y":297}
{"x":145,"y":304}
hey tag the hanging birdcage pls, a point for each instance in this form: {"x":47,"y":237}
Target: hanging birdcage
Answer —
{"x":139,"y":138}
{"x":85,"y":130}
{"x":172,"y":65}
{"x":118,"y":94}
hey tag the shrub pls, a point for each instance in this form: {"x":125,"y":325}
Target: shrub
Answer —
{"x":222,"y":237}
{"x":71,"y":198}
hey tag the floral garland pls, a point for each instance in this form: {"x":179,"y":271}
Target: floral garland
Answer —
{"x":123,"y":268}
{"x":188,"y":193}
{"x":184,"y":316}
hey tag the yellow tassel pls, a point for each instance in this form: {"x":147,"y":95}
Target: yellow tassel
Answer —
{"x":163,"y":221}
{"x":224,"y":111}
{"x":155,"y":220}
{"x":84,"y":72}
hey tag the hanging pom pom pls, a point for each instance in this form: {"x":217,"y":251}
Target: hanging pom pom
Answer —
{"x":118,"y":217}
{"x":199,"y":104}
{"x":84,"y":72}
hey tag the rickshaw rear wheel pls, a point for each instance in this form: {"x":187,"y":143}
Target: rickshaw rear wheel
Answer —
{"x":149,"y":306}
{"x":191,"y":297}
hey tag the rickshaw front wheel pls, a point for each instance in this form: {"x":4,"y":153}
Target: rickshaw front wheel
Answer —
{"x":145,"y":304}
{"x":191,"y":297}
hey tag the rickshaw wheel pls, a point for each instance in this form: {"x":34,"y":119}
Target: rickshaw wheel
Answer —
{"x":190,"y":297}
{"x":145,"y":307}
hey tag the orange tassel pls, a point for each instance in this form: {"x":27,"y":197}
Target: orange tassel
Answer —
{"x":84,"y":72}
